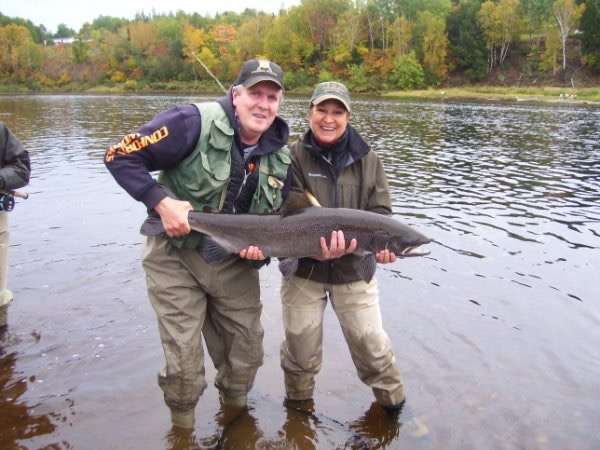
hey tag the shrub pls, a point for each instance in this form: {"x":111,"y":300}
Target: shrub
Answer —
{"x":130,"y":85}
{"x":325,"y":75}
{"x":359,"y":80}
{"x":407,"y":72}
{"x":118,"y":77}
{"x":298,"y":78}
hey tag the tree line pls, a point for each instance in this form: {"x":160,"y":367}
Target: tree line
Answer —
{"x":370,"y":44}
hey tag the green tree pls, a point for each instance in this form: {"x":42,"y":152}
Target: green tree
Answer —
{"x":402,"y":33}
{"x":210,"y":60}
{"x":346,"y":36}
{"x":590,"y":38}
{"x":411,"y":8}
{"x":550,"y":58}
{"x":536,"y":13}
{"x":286,"y":46}
{"x":500,"y":23}
{"x":467,"y":41}
{"x":64,"y":31}
{"x":359,"y":80}
{"x":433,"y":42}
{"x":167,"y":61}
{"x":80,"y":50}
{"x":107,"y":23}
{"x":250,"y":36}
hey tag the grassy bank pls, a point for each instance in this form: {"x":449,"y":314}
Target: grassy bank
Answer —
{"x":559,"y":95}
{"x":129,"y":87}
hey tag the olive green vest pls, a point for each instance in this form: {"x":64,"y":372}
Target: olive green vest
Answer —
{"x":203,"y":177}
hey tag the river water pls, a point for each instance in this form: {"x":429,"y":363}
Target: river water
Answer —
{"x":496,"y":332}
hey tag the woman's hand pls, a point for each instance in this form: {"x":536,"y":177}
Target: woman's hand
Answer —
{"x":385,"y":256}
{"x":337,"y":246}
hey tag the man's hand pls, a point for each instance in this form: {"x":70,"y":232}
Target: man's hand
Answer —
{"x":385,"y":257}
{"x":252,"y":252}
{"x":174,"y":216}
{"x":337,"y":247}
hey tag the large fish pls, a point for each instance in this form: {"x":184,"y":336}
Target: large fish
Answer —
{"x":296,"y":234}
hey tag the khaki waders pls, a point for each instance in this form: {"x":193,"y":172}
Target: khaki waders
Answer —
{"x":357,"y":308}
{"x":193,"y":299}
{"x":5,"y":295}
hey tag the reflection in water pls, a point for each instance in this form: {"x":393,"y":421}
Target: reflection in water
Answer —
{"x":303,"y":429}
{"x":377,"y":428}
{"x":18,"y":420}
{"x":496,"y":331}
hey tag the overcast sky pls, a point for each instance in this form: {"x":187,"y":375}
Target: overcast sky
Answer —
{"x":74,"y":13}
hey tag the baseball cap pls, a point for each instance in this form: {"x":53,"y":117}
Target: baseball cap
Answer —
{"x":331,"y":90}
{"x":256,"y":70}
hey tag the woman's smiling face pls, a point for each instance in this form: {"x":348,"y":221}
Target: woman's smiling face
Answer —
{"x":328,"y":121}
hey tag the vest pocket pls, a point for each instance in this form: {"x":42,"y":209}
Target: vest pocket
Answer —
{"x":271,"y":195}
{"x":216,"y":158}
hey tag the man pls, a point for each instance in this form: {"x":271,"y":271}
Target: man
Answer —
{"x":337,"y":166}
{"x":229,"y":155}
{"x":14,"y":173}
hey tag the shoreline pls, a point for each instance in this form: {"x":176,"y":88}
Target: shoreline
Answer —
{"x":542,"y":95}
{"x":510,"y":95}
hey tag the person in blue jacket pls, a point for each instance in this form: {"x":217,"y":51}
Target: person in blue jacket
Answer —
{"x":227,"y":155}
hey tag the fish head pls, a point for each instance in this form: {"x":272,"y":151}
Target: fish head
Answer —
{"x":404,"y":245}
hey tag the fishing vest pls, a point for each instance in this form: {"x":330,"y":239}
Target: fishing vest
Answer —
{"x":203,"y":177}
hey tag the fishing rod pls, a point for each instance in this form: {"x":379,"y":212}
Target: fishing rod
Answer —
{"x":209,"y":72}
{"x":18,"y":194}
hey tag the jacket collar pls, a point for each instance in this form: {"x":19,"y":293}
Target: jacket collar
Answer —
{"x":355,"y":147}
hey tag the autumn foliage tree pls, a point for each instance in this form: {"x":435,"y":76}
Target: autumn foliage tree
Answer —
{"x":369,"y":44}
{"x":19,"y":56}
{"x":434,"y":46}
{"x":500,"y":23}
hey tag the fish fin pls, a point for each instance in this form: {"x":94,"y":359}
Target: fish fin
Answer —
{"x":288,"y":266}
{"x":296,"y":201}
{"x":366,"y":267}
{"x":152,"y":226}
{"x":312,"y":199}
{"x":213,"y":252}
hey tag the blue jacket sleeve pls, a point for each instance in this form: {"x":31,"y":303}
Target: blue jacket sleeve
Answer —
{"x":160,"y":144}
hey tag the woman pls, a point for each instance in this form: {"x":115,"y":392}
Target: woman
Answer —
{"x":334,"y":163}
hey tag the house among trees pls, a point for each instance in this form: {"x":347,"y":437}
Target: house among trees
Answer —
{"x":64,"y":40}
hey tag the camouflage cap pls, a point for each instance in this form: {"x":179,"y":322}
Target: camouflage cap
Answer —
{"x":256,"y":70}
{"x":331,"y":90}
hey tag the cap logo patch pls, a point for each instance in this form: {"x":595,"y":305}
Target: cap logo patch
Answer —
{"x":264,"y":66}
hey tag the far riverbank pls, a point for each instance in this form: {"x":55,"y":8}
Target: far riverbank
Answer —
{"x":557,"y":95}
